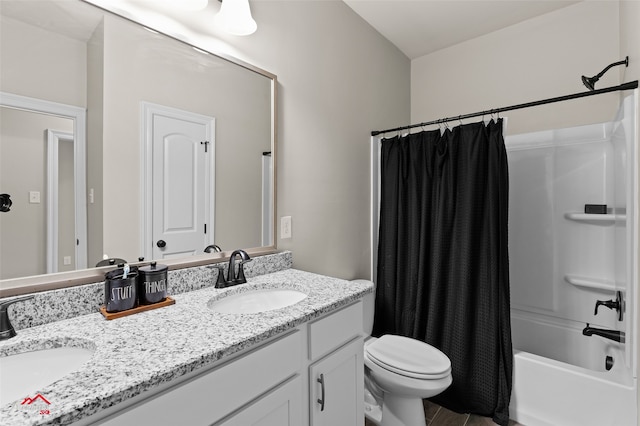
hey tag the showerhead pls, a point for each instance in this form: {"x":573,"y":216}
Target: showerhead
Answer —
{"x":590,"y":82}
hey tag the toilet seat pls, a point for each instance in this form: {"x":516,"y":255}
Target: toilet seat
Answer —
{"x":409,"y":357}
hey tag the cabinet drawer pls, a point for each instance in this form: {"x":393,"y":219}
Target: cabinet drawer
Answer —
{"x":328,"y":333}
{"x":213,"y":395}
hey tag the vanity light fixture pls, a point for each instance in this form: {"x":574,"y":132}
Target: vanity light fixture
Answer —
{"x":190,"y":5}
{"x":235,"y":18}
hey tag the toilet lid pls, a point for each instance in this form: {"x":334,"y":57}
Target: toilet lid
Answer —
{"x":409,"y":357}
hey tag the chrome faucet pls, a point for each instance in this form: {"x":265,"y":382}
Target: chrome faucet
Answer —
{"x":233,"y":278}
{"x":212,"y":248}
{"x":6,"y":328}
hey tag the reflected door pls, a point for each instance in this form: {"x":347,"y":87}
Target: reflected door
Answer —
{"x":182,"y":153}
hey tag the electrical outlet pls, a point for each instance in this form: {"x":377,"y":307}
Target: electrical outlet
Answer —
{"x":67,"y":260}
{"x":285,"y":227}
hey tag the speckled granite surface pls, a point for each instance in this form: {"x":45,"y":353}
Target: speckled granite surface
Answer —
{"x":143,"y":351}
{"x":55,"y":305}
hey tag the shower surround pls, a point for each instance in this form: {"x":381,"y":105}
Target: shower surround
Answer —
{"x":562,"y":261}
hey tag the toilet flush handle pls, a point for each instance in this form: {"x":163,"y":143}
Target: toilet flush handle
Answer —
{"x":321,"y":399}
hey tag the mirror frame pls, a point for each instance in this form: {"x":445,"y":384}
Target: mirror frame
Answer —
{"x":38,"y":283}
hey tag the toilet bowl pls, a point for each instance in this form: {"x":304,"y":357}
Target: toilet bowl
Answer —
{"x":399,"y":373}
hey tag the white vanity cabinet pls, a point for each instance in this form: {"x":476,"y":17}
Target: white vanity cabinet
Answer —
{"x":336,"y":372}
{"x":275,"y":384}
{"x":208,"y":397}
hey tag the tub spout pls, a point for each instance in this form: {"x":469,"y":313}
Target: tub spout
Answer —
{"x":616,"y":335}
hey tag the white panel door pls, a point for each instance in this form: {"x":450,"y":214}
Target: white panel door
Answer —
{"x":181,"y":184}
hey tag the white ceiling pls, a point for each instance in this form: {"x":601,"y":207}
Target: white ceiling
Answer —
{"x":420,"y":27}
{"x":416,"y":27}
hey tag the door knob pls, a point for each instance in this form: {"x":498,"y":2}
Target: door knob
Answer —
{"x":161,"y":243}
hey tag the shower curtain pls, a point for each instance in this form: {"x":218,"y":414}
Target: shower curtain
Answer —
{"x":443,"y":274}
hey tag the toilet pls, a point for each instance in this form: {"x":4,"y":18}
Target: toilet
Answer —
{"x":399,"y":373}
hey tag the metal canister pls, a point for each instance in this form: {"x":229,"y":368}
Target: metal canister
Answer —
{"x":152,"y":283}
{"x":120,"y":289}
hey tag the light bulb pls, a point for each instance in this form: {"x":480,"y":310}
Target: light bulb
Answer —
{"x":235,"y":18}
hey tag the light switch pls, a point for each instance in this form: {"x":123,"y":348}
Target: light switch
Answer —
{"x":34,"y":197}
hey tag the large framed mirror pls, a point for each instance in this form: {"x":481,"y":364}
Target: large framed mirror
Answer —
{"x":120,"y":142}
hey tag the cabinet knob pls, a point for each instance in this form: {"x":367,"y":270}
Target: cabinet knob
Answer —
{"x":161,"y":243}
{"x":321,"y":399}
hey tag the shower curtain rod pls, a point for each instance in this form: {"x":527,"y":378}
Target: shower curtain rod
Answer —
{"x":624,"y":86}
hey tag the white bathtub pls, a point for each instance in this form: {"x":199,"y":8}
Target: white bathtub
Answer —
{"x":566,"y":382}
{"x":547,"y":392}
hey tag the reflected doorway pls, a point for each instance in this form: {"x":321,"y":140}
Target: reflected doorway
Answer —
{"x":179,"y":185}
{"x":42,"y":167}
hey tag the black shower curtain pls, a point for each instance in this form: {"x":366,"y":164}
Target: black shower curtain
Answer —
{"x":443,"y":274}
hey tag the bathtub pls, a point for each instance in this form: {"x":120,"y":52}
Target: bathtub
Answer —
{"x":566,"y":382}
{"x":548,"y":392}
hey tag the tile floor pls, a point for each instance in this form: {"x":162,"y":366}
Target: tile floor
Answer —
{"x":440,"y":416}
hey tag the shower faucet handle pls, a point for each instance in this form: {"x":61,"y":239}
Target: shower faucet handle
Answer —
{"x":617,"y":304}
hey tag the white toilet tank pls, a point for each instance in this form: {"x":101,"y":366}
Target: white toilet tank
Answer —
{"x":368,"y":307}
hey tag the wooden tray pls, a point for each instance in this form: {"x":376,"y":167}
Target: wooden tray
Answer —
{"x":113,"y":315}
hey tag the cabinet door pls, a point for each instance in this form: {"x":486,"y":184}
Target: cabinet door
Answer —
{"x":336,"y":387}
{"x":280,"y":407}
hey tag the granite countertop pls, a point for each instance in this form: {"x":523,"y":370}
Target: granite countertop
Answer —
{"x":144,"y":351}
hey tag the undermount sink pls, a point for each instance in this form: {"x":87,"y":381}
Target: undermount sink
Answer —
{"x":24,"y":373}
{"x":256,"y":300}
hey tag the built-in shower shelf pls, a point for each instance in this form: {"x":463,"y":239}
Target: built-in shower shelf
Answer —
{"x":591,"y":283}
{"x":598,"y":219}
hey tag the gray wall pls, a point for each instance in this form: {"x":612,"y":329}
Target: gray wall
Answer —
{"x":27,"y":55}
{"x":536,"y":59}
{"x":339,"y":79}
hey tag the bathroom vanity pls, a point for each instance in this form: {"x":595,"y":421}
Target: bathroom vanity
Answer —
{"x":188,"y":364}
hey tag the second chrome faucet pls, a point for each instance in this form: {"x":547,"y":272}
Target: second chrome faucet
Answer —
{"x":233,"y":277}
